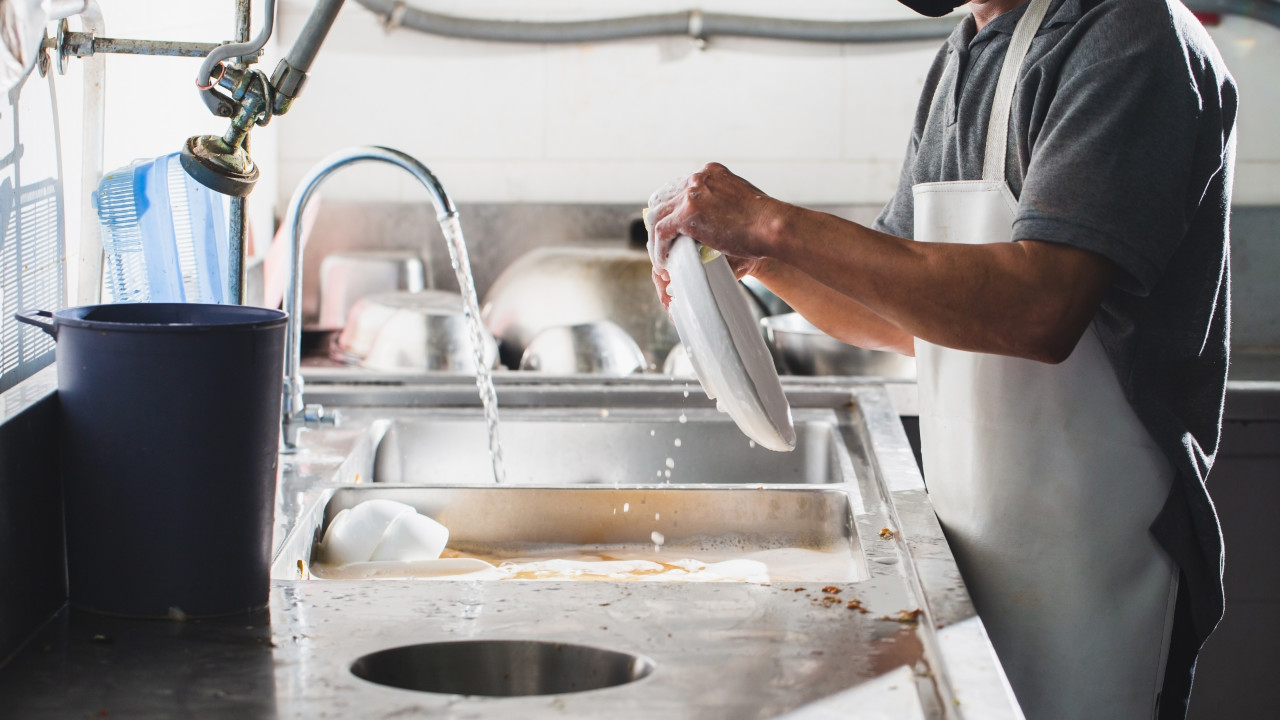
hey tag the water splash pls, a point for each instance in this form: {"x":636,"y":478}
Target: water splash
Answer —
{"x":471,"y":305}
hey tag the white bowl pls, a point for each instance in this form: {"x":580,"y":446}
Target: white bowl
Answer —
{"x":354,"y":534}
{"x":412,"y":537}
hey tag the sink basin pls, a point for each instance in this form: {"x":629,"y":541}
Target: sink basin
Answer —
{"x":602,"y":447}
{"x":501,"y":668}
{"x":800,"y":534}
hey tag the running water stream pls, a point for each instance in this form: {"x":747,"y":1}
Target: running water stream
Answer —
{"x":471,"y":306}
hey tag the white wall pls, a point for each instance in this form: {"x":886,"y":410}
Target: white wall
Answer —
{"x":607,"y":122}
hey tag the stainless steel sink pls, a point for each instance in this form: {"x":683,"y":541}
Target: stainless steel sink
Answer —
{"x":896,"y":636}
{"x":602,"y":447}
{"x":505,"y":522}
{"x":501,"y":668}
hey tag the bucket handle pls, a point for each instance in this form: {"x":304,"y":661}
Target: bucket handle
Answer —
{"x":30,"y":318}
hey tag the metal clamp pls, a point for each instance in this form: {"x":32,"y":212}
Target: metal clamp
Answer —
{"x":311,"y":417}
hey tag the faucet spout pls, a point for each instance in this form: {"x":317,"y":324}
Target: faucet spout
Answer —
{"x":294,"y":410}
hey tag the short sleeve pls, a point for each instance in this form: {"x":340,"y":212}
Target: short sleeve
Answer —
{"x":898,"y":216}
{"x":1122,"y":159}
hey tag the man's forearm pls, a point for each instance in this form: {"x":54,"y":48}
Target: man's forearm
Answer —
{"x":1023,"y":299}
{"x":835,"y":313}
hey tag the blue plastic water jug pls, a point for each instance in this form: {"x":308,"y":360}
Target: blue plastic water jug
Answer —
{"x":164,"y":237}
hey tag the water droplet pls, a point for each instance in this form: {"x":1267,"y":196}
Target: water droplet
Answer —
{"x":659,"y":473}
{"x":657,"y":538}
{"x":604,"y":412}
{"x":671,"y":462}
{"x":667,"y":473}
{"x":683,"y":418}
{"x":657,"y":516}
{"x":686,"y":393}
{"x":677,"y":442}
{"x":652,"y":433}
{"x":626,"y":507}
{"x":752,"y":443}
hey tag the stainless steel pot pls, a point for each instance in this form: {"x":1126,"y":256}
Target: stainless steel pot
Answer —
{"x":562,"y":286}
{"x":799,"y":348}
{"x":346,"y":277}
{"x":410,"y":332}
{"x":571,"y":285}
{"x":597,"y":348}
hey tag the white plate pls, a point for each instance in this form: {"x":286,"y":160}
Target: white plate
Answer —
{"x":725,"y":345}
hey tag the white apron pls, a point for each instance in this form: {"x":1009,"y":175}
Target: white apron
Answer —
{"x":1045,"y":482}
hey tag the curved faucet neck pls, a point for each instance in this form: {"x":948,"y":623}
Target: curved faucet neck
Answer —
{"x":293,"y":407}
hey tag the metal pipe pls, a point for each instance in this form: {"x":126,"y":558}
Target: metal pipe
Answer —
{"x":313,"y":34}
{"x":294,"y":409}
{"x":241,"y":48}
{"x":396,"y":13}
{"x":89,"y":274}
{"x":237,"y":224}
{"x":693,"y":23}
{"x":79,"y":48}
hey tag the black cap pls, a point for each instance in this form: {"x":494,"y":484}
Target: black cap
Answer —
{"x":933,"y":8}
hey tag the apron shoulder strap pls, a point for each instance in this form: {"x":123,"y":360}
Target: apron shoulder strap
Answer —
{"x":998,"y":125}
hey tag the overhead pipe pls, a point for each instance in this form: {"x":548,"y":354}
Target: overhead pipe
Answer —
{"x":693,"y":23}
{"x":700,"y":25}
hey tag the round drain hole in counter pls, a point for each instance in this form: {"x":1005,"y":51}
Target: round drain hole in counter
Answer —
{"x":501,"y":668}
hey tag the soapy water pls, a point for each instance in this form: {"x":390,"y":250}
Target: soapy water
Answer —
{"x":471,"y":305}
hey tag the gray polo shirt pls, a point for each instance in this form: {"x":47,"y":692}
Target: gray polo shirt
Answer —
{"x":1121,"y":142}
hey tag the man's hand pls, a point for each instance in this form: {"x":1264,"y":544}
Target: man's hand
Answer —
{"x":719,"y":210}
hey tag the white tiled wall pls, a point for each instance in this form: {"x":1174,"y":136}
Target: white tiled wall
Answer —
{"x":609,"y":122}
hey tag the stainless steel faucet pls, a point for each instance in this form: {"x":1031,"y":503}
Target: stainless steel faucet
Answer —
{"x":295,"y":412}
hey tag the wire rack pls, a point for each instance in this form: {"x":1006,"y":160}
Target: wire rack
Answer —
{"x":32,"y":253}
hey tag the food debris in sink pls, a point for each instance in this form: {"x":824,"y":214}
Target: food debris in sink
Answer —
{"x":614,"y":563}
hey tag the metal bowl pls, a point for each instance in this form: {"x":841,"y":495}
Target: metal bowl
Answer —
{"x":345,"y":277}
{"x":799,"y":348}
{"x":596,"y":348}
{"x":573,"y":284}
{"x":570,"y":285}
{"x":410,"y":332}
{"x":678,"y":363}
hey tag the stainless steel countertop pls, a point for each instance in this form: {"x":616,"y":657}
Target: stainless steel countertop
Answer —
{"x":732,"y":650}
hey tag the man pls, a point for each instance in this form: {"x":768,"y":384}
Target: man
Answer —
{"x":1056,"y":258}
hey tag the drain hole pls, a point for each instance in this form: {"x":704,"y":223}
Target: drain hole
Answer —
{"x":501,"y":668}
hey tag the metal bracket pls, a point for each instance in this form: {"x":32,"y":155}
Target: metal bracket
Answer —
{"x":42,"y":56}
{"x":60,"y":47}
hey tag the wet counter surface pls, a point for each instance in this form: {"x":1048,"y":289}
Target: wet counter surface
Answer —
{"x":900,"y":642}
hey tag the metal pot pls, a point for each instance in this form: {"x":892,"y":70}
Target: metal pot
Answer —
{"x":169,"y":436}
{"x":562,"y":286}
{"x":410,"y":332}
{"x":346,"y":277}
{"x":799,"y":348}
{"x":597,"y":348}
{"x":572,"y":285}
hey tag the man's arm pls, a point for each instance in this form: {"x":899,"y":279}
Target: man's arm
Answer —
{"x":1024,"y":299}
{"x":832,"y":312}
